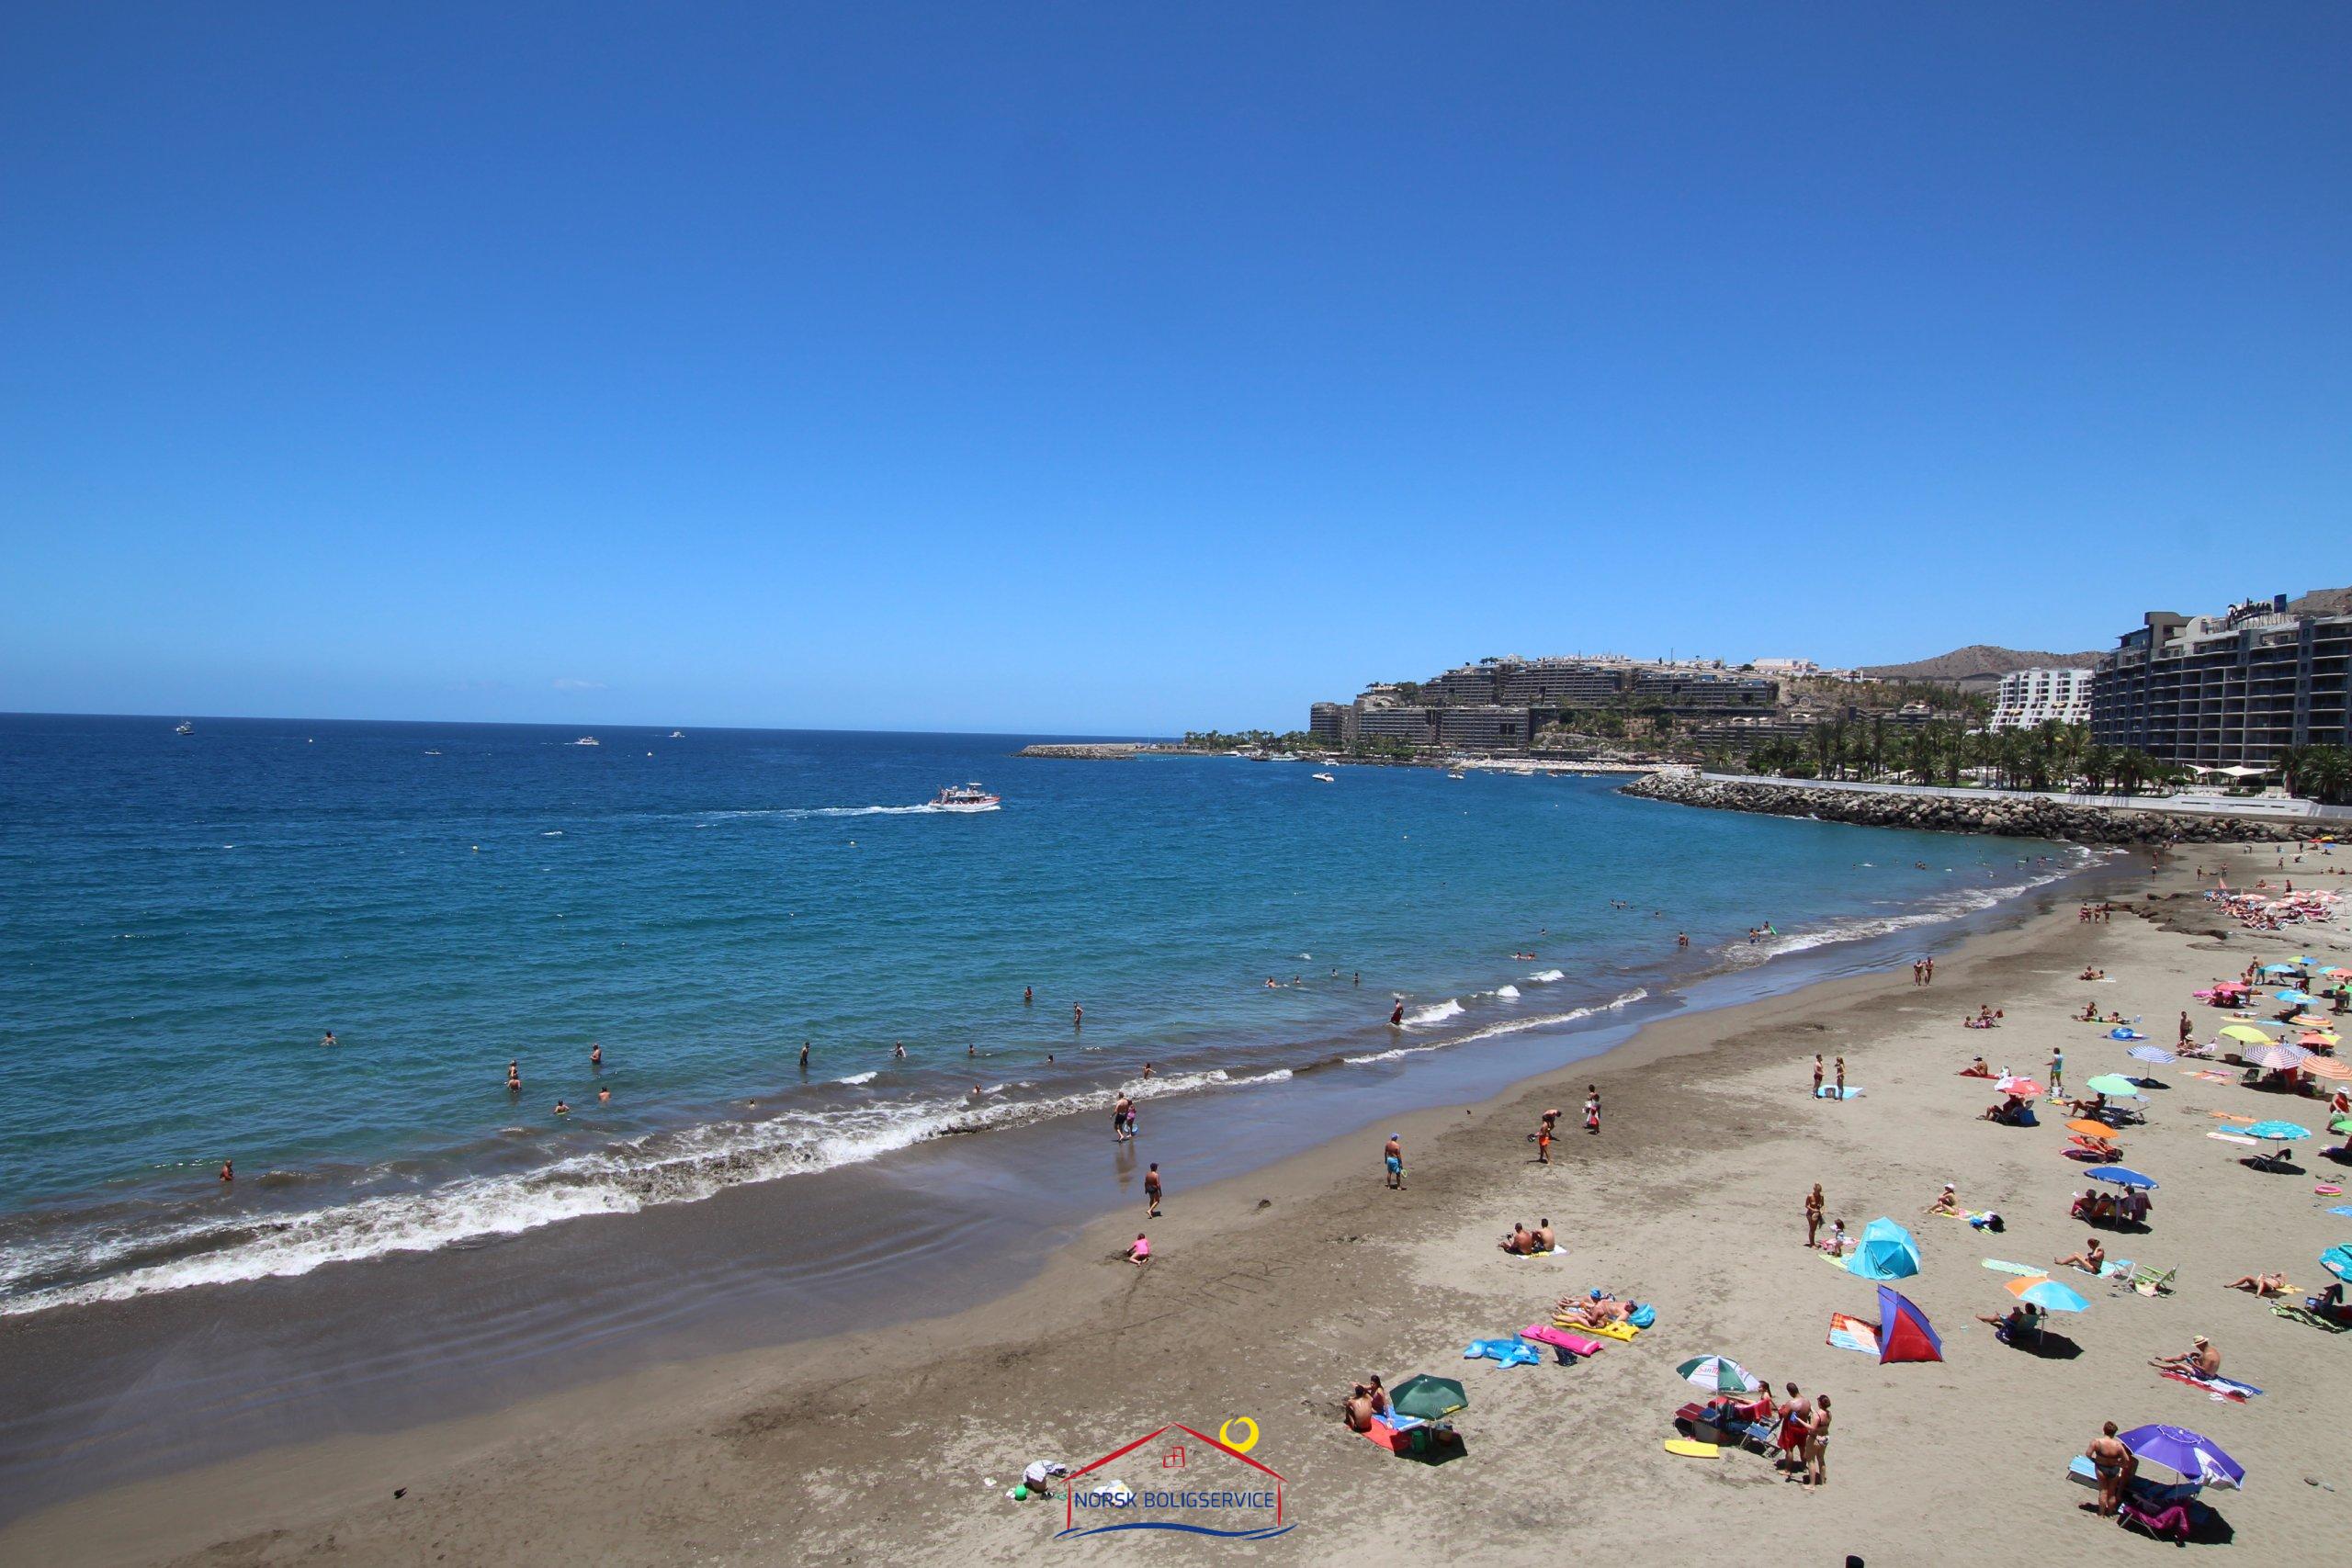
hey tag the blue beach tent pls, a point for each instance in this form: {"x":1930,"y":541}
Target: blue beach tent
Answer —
{"x":1887,"y":1252}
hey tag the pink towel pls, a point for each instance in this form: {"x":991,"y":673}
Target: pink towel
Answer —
{"x":1574,"y":1344}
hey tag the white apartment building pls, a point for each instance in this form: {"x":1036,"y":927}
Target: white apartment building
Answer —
{"x":2031,"y":697}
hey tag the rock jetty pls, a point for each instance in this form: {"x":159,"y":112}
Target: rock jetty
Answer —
{"x":1085,"y":750}
{"x":2008,"y":816}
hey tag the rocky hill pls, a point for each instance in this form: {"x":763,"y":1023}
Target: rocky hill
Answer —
{"x":1979,"y":659}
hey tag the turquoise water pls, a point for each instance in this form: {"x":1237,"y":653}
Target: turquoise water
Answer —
{"x":186,"y":916}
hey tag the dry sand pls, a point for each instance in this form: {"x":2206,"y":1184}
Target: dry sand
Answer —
{"x":1272,"y":1291}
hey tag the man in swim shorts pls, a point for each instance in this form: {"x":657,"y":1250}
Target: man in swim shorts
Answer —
{"x":1392,"y":1156}
{"x":1151,"y":1188}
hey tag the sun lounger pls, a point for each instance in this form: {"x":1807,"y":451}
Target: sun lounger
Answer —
{"x":2167,"y":1523}
{"x":2096,"y":1148}
{"x":1567,"y":1340}
{"x":2151,"y":1282}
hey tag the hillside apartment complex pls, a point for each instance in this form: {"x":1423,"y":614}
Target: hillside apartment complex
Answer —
{"x":2230,"y":690}
{"x":1500,"y":703}
{"x":2028,"y":698}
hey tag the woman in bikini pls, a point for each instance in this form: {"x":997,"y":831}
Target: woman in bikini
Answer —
{"x":1816,"y":1205}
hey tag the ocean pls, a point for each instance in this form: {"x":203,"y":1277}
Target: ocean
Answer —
{"x":186,"y":916}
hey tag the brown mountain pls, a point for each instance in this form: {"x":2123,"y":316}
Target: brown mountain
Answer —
{"x":1978,"y":661}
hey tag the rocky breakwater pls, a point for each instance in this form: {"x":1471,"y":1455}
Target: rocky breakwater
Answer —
{"x":1087,"y":750}
{"x":2008,"y":816}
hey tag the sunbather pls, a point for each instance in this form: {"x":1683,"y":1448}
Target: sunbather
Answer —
{"x":2090,"y":1260}
{"x":1356,"y":1410}
{"x":1977,"y":1069}
{"x":2201,"y":1359}
{"x":1947,"y":1202}
{"x":2260,"y":1284}
{"x":1520,"y":1240}
{"x":1597,"y":1311}
{"x":2020,"y":1322}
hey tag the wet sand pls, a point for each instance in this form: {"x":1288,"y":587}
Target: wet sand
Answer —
{"x":1272,"y":1290}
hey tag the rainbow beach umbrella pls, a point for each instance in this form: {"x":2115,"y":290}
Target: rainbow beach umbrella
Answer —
{"x":2048,"y":1294}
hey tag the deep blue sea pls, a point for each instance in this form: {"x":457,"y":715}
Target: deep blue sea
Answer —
{"x":185,"y":916}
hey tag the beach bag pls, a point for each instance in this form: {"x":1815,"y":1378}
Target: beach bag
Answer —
{"x":1643,"y":1315}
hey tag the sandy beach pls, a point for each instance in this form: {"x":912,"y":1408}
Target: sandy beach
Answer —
{"x":1270,"y":1293}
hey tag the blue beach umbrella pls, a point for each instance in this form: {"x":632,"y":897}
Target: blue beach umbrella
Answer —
{"x":2278,"y":1132}
{"x":1887,"y":1252}
{"x":2296,"y":997}
{"x":2049,"y":1295}
{"x":2278,"y":969}
{"x":2123,"y":1176}
{"x":2156,"y":1054}
{"x":2184,"y":1453}
{"x":2338,"y":1260}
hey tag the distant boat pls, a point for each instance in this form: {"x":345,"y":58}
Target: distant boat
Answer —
{"x":1327,"y":778}
{"x":1457,"y":775}
{"x":587,"y":741}
{"x":965,"y":797}
{"x":432,"y":754}
{"x":677,"y":735}
{"x":185,"y":726}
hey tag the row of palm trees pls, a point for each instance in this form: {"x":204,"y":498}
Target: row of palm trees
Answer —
{"x":1943,"y":751}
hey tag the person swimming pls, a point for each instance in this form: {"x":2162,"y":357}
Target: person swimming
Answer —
{"x":561,"y":1109}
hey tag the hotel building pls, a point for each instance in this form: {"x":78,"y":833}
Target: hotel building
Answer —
{"x":2232,"y":689}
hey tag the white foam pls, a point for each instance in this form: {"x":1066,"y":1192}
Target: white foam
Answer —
{"x":1509,"y":993}
{"x":796,"y":812}
{"x":856,"y":1079}
{"x":657,"y":1168}
{"x":1421,"y":1018}
{"x":1545,"y":977}
{"x":1510,"y":1026}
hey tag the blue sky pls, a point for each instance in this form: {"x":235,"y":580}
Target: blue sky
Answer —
{"x":1122,"y":368}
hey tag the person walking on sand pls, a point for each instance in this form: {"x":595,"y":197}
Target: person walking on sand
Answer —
{"x":2057,"y":1068}
{"x":1816,"y":1075}
{"x":1543,"y":1141}
{"x":1815,"y":1206}
{"x":2115,"y":1465}
{"x":1392,"y":1156}
{"x":1151,"y":1190}
{"x":1591,"y":1108}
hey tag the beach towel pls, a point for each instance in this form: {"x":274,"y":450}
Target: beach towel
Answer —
{"x":2210,"y":1076}
{"x":2226,"y":1390}
{"x":2027,"y":1270}
{"x":1548,"y":1252}
{"x":2293,"y":1314}
{"x":2342,"y":1210}
{"x":1622,"y":1331}
{"x":1506,"y":1352}
{"x":1853,"y":1334}
{"x":1831,"y":1091}
{"x":2231,"y":1138}
{"x":1567,"y":1340}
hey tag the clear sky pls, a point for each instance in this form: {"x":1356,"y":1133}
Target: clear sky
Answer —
{"x":1124,"y":368}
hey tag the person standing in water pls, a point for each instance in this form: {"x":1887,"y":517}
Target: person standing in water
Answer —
{"x":515,"y":1076}
{"x":1027,"y":995}
{"x":1078,"y":1015}
{"x":1397,"y":1014}
{"x":228,"y":1170}
{"x":596,"y":1055}
{"x":804,"y":1056}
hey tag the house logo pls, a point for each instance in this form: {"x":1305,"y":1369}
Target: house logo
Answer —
{"x":1187,"y":1480}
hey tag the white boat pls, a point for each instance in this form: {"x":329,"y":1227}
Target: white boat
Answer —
{"x":1457,"y":775}
{"x":587,"y":741}
{"x":965,"y":797}
{"x":432,"y":754}
{"x":1328,"y":778}
{"x":185,"y":726}
{"x":677,"y":735}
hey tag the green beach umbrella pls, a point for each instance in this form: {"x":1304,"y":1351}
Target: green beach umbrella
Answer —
{"x":2113,"y":1083}
{"x":1718,"y":1374}
{"x":1426,"y":1398}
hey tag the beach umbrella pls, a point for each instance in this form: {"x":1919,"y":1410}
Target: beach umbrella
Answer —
{"x":2277,"y":969}
{"x":1719,"y":1374}
{"x":2327,"y":1067}
{"x":2274,"y":1054}
{"x":2090,"y":1129}
{"x":2123,"y":1176}
{"x":2278,"y":1132}
{"x":2245,"y":1035}
{"x":1426,"y":1398}
{"x":2156,"y":1054}
{"x":2338,"y":1260}
{"x":2024,"y":1088}
{"x":2184,"y":1453}
{"x":2297,"y":998}
{"x":2048,"y":1294}
{"x":2339,"y":974}
{"x":2111,"y":1083}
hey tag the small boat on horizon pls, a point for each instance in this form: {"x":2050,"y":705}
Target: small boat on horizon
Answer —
{"x":1328,"y":778}
{"x":677,"y":735}
{"x":185,"y":726}
{"x":431,"y":751}
{"x":966,"y":797}
{"x":587,"y":741}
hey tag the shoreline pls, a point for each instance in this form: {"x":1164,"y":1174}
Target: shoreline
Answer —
{"x":1236,"y":1256}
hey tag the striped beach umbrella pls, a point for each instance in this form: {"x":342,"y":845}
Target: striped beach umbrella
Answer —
{"x":2048,"y":1294}
{"x":2275,"y":1055}
{"x":2156,"y":1054}
{"x":1718,"y":1374}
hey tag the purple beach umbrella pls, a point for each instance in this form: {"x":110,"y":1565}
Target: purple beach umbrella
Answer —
{"x":2178,"y":1448}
